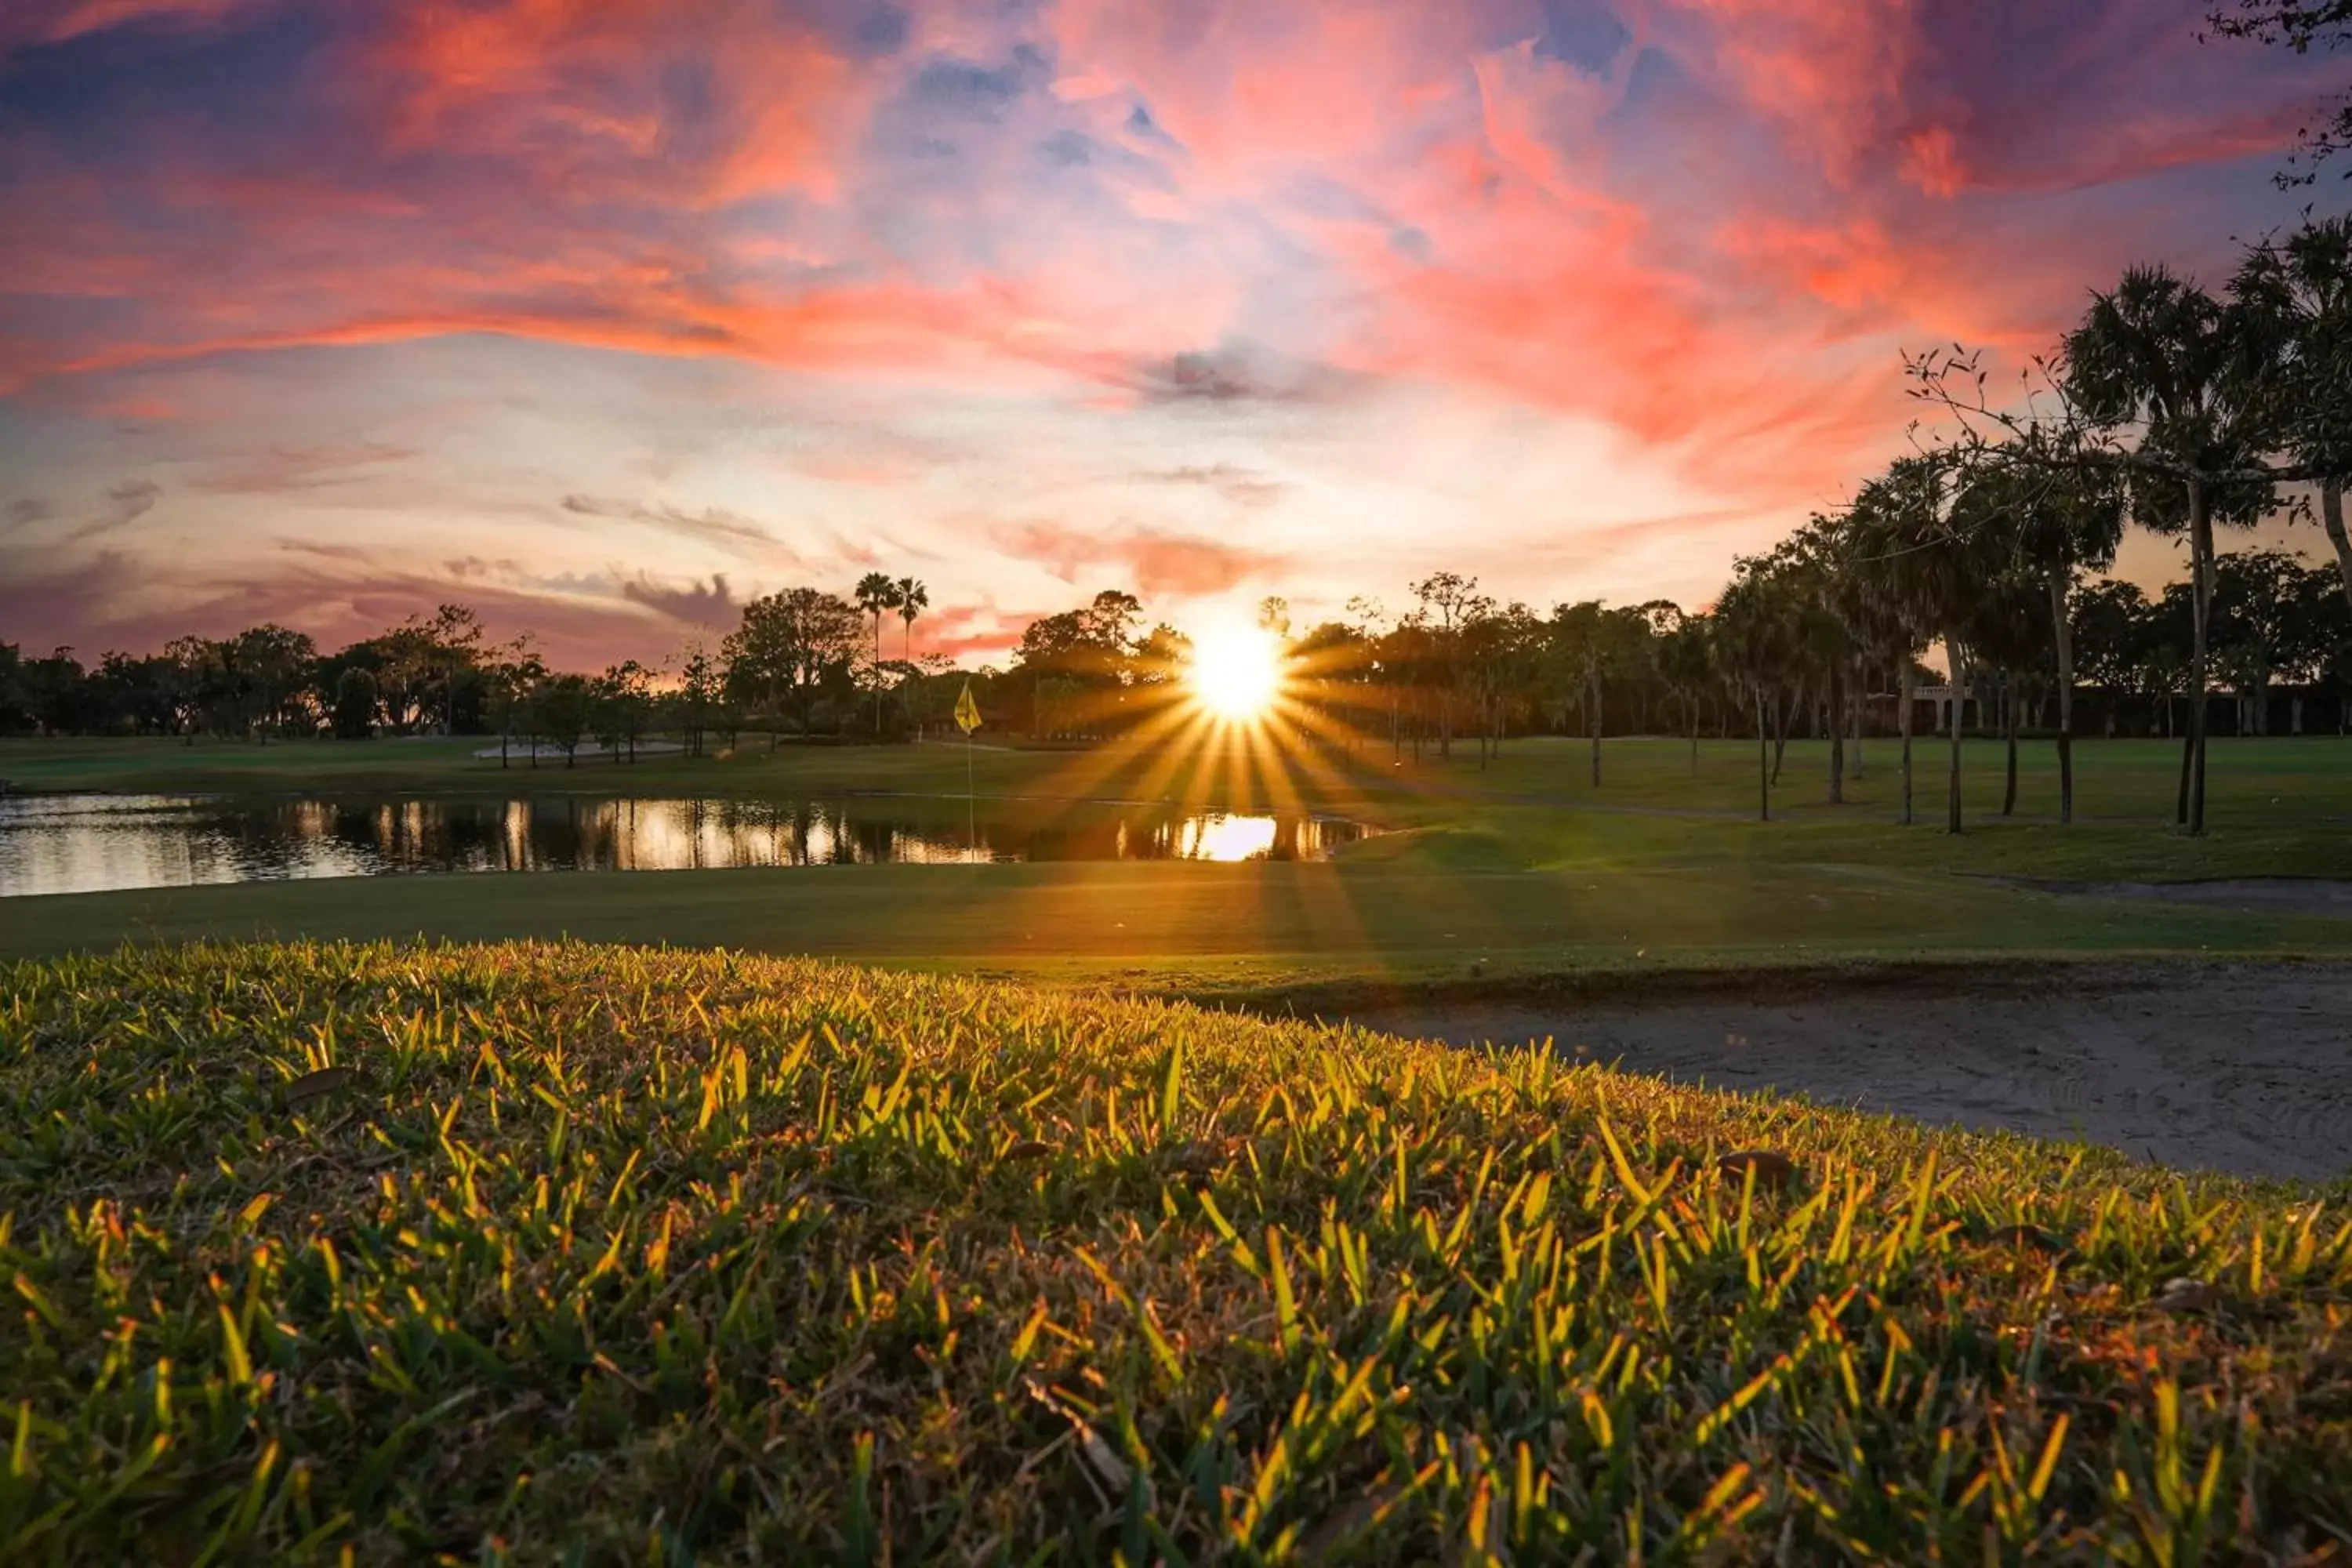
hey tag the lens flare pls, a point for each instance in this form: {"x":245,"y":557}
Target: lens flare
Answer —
{"x":1236,"y":672}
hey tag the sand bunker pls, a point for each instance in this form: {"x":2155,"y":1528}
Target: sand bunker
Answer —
{"x":2245,"y":1068}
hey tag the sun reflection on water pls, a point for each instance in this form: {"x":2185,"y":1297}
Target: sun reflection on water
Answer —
{"x":82,"y":844}
{"x":1227,"y":837}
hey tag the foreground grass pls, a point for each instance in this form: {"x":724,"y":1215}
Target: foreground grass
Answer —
{"x":1147,"y":923}
{"x":506,"y":1253}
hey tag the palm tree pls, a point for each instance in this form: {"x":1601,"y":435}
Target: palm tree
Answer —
{"x":1590,"y":642}
{"x":1934,"y":553}
{"x":2162,"y":353}
{"x":1825,"y":633}
{"x":1883,"y":635}
{"x":2069,"y":521}
{"x":1754,"y":637}
{"x":2296,"y":295}
{"x":1686,"y":664}
{"x":2008,"y":633}
{"x":1877,"y":528}
{"x":877,"y":594}
{"x":913,"y":600}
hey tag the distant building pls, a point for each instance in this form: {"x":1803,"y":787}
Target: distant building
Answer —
{"x":1931,"y":710}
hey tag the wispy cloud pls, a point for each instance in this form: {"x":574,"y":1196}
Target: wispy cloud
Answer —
{"x":1243,"y":486}
{"x":126,"y":503}
{"x":711,"y":525}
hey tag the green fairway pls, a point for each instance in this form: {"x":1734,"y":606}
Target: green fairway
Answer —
{"x":1518,"y":865}
{"x":503,"y":1254}
{"x":1167,"y":924}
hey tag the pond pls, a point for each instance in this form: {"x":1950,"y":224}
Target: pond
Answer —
{"x":87,"y":843}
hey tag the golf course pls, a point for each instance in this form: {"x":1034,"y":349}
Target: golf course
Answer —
{"x":336,"y":1249}
{"x":859,"y":784}
{"x":1677,"y":1168}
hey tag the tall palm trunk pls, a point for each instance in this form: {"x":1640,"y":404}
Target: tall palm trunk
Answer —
{"x":2331,"y":516}
{"x":1781,"y":711}
{"x":1690,"y":715}
{"x":1837,"y":733}
{"x":1959,"y":687}
{"x":2009,"y":702}
{"x":2201,"y":530}
{"x":1859,"y":702}
{"x":2064,"y":636}
{"x":1593,"y":722}
{"x":1907,"y":684}
{"x":1763,"y":762}
{"x":2188,"y":761}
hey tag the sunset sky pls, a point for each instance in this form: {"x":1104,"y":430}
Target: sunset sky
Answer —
{"x":605,"y":315}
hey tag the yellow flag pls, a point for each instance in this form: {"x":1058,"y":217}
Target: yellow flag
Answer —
{"x":967,"y":711}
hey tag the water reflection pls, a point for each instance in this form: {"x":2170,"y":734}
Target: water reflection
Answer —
{"x":69,"y":844}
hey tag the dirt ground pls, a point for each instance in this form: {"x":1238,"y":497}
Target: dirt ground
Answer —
{"x":2244,"y":1068}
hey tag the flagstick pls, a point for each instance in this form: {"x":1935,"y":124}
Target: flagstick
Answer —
{"x":967,"y":719}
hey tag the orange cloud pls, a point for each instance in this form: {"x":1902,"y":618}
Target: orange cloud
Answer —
{"x":1154,"y":563}
{"x":1931,"y":161}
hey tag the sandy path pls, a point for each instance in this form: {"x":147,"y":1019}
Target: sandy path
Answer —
{"x":2240,"y":1068}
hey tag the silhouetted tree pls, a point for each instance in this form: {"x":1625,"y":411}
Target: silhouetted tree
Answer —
{"x":622,"y":701}
{"x":355,"y":702}
{"x":2160,"y":356}
{"x":697,"y":695}
{"x":794,"y":643}
{"x":913,"y":600}
{"x":876,"y":596}
{"x":2297,"y":296}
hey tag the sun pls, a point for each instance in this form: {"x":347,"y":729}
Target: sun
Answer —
{"x":1236,"y":672}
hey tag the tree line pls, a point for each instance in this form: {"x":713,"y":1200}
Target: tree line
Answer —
{"x":803,"y":660}
{"x":2169,"y":406}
